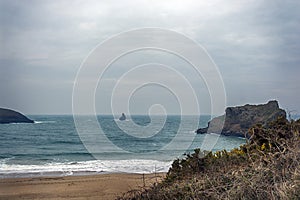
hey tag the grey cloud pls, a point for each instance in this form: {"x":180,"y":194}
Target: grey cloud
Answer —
{"x":256,"y":44}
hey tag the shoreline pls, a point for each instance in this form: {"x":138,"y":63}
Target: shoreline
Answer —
{"x":101,"y":186}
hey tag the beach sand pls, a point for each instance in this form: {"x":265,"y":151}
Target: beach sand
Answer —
{"x":105,"y":186}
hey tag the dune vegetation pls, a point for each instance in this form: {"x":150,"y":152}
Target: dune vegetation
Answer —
{"x":266,"y":167}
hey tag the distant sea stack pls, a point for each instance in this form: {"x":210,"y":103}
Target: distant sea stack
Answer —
{"x":9,"y":116}
{"x":123,"y":117}
{"x":237,"y":120}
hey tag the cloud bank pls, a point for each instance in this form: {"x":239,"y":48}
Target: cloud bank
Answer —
{"x":255,"y":44}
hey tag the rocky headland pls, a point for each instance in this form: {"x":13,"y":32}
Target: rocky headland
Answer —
{"x":266,"y":167}
{"x":237,"y":120}
{"x":10,"y":116}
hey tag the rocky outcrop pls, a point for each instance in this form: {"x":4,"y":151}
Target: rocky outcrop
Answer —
{"x":237,"y":120}
{"x":10,"y":116}
{"x":123,"y":117}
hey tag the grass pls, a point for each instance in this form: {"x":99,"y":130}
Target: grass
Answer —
{"x":266,"y":167}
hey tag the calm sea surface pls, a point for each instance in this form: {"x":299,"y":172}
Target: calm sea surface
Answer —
{"x":52,"y":145}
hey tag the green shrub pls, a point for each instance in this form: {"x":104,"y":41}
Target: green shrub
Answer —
{"x":267,"y":167}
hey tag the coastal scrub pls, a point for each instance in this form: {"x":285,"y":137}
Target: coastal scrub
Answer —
{"x":266,"y":167}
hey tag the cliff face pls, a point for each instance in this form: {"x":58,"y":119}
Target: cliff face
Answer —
{"x":237,"y":120}
{"x":10,"y":116}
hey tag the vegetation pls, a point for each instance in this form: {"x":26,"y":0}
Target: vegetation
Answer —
{"x":266,"y":167}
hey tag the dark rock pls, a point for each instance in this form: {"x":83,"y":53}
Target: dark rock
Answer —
{"x":10,"y":116}
{"x":123,"y":117}
{"x":237,"y":120}
{"x":202,"y":130}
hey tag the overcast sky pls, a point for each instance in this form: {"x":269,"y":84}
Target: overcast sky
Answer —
{"x":254,"y":43}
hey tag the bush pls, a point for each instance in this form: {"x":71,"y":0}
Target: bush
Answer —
{"x":267,"y":167}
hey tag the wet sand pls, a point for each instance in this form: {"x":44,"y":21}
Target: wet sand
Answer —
{"x":105,"y":186}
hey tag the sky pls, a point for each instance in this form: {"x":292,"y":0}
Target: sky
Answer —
{"x":255,"y":45}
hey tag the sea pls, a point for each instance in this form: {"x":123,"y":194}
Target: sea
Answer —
{"x":55,"y":146}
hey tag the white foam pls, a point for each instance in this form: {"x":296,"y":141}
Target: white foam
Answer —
{"x":190,"y":132}
{"x":43,"y":122}
{"x":117,"y":120}
{"x":19,"y":123}
{"x":5,"y":160}
{"x":215,"y":134}
{"x":84,"y":167}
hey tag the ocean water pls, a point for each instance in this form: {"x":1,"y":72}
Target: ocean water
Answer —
{"x":53,"y":145}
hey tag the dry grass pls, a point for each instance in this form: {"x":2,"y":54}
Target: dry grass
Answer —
{"x":267,"y":167}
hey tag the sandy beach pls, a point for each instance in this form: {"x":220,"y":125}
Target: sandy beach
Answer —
{"x":105,"y":186}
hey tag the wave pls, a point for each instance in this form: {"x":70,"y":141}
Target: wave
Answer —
{"x":215,"y":134}
{"x":45,"y":155}
{"x":5,"y":160}
{"x":67,"y":142}
{"x":17,"y":123}
{"x":83,"y":167}
{"x":117,"y":120}
{"x":44,"y":122}
{"x":190,"y":132}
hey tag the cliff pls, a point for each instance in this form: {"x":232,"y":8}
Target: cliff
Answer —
{"x":10,"y":116}
{"x":237,"y":120}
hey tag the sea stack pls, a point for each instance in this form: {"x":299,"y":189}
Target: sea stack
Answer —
{"x":123,"y":117}
{"x":237,"y":120}
{"x":10,"y":116}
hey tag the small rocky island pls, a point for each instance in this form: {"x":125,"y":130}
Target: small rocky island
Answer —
{"x":123,"y":117}
{"x":10,"y":116}
{"x":237,"y":120}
